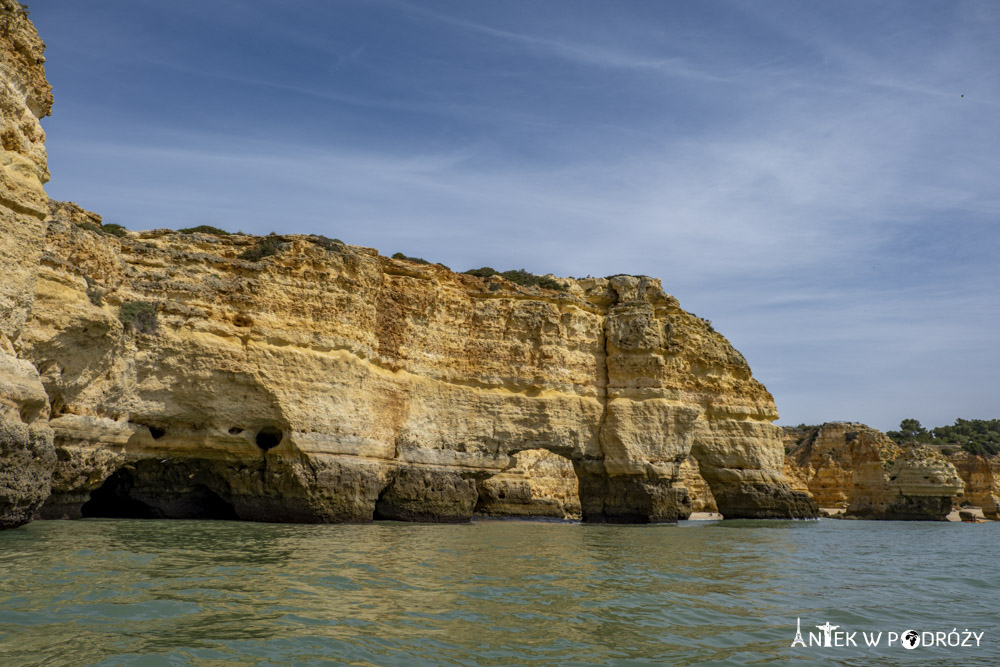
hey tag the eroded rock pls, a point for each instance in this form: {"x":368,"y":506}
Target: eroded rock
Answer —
{"x":27,"y":457}
{"x":383,"y":388}
{"x":853,"y":466}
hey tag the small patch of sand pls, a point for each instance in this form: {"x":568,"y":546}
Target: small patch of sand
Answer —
{"x":704,"y":516}
{"x":976,"y":511}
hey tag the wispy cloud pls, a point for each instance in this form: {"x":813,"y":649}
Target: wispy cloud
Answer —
{"x":818,"y":188}
{"x":590,"y":54}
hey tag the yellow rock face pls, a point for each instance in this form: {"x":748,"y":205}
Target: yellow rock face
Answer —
{"x":859,"y":468}
{"x":541,"y":484}
{"x":26,"y":454}
{"x":981,"y":475}
{"x":698,"y":489}
{"x":326,"y":382}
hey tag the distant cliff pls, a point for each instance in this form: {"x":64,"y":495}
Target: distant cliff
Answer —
{"x":856,"y":467}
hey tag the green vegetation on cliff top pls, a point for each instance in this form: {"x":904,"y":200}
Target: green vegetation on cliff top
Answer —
{"x":976,"y":436}
{"x":519,"y":277}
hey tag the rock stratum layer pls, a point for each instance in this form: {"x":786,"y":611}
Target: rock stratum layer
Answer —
{"x":324,"y":382}
{"x":26,"y":454}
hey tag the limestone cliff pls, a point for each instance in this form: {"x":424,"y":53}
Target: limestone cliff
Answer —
{"x":26,"y":454}
{"x":541,"y":484}
{"x":981,"y":475}
{"x":324,"y":382}
{"x":853,"y":466}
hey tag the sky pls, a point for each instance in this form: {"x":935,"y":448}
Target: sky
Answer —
{"x":821,"y":180}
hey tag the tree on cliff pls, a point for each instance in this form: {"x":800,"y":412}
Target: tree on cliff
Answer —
{"x":976,"y":436}
{"x":910,"y":430}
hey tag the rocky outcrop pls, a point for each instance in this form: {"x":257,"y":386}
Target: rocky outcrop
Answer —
{"x":698,"y":489}
{"x":853,"y":466}
{"x":324,"y":382}
{"x":26,"y":454}
{"x":826,"y":458}
{"x":922,"y":485}
{"x":981,"y":476}
{"x":541,"y":484}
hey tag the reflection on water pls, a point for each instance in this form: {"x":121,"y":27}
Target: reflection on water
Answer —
{"x":129,"y":592}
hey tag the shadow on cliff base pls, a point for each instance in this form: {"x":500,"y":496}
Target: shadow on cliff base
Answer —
{"x":116,"y":499}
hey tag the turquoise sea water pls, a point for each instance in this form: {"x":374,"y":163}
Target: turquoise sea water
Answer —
{"x":132,"y":592}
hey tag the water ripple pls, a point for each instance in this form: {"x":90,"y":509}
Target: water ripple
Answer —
{"x":120,"y":592}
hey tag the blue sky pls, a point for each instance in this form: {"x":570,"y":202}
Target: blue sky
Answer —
{"x":819,"y":179}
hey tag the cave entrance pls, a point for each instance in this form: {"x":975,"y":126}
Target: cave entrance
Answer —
{"x":541,"y":484}
{"x":161,"y":490}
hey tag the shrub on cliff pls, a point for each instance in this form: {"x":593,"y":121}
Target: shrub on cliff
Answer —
{"x":976,"y":436}
{"x":519,"y":277}
{"x":327,"y":243}
{"x":982,"y":449}
{"x":266,"y":247}
{"x":139,"y":317}
{"x":484,"y":272}
{"x":96,"y":227}
{"x":418,"y":260}
{"x":114,"y":230}
{"x":204,"y":229}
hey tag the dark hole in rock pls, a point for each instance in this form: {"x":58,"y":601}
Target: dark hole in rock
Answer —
{"x":112,"y":500}
{"x":30,"y":412}
{"x":115,"y":498}
{"x":268,"y":438}
{"x":382,"y":509}
{"x":236,"y":430}
{"x":157,"y":432}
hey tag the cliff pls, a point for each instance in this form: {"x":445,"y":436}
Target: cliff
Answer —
{"x":297,"y":378}
{"x":325,"y":382}
{"x":26,"y":453}
{"x":981,"y":475}
{"x":859,"y":468}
